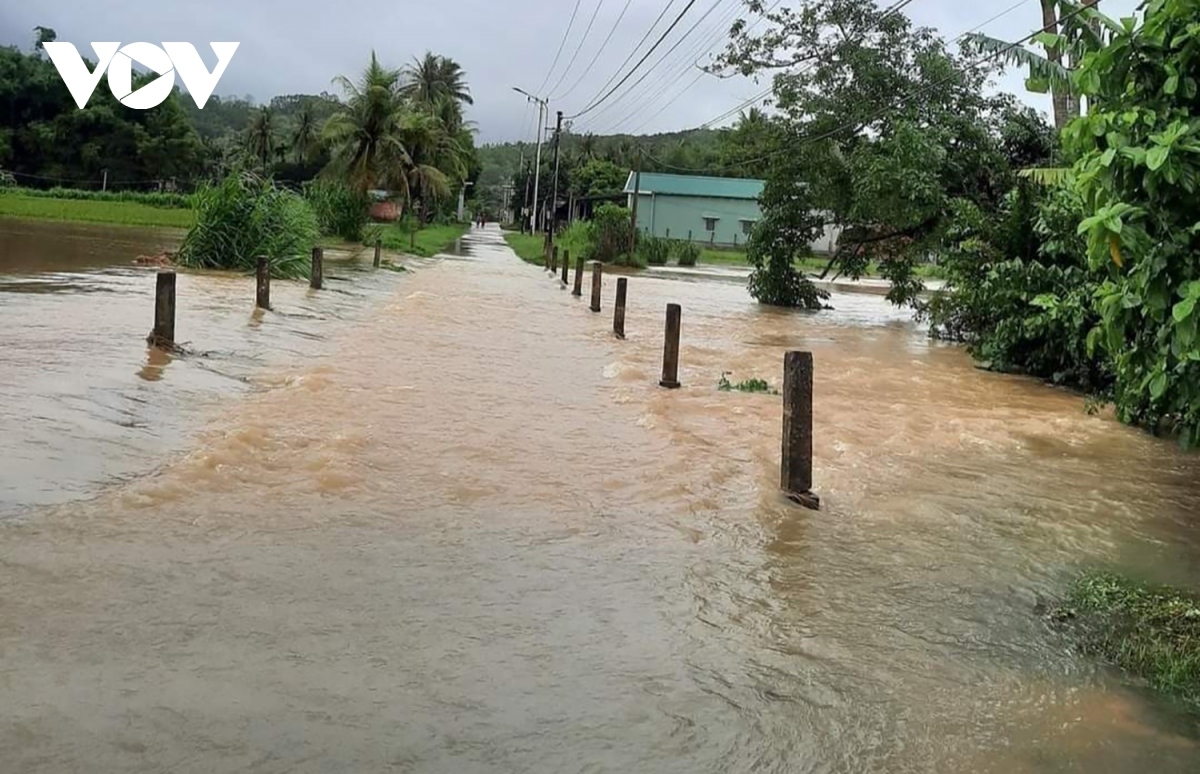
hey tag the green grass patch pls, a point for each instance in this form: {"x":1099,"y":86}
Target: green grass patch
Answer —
{"x":425,"y":242}
{"x":114,"y":211}
{"x":748,"y":385}
{"x":1151,"y":632}
{"x":528,"y":247}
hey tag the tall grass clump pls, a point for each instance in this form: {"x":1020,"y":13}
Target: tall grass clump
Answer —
{"x":686,"y":253}
{"x":611,"y":232}
{"x":341,"y":211}
{"x":243,"y":217}
{"x":653,"y":250}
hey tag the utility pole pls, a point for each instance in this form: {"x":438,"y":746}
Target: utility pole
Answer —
{"x":542,"y":107}
{"x":637,"y":189}
{"x":554,"y":199}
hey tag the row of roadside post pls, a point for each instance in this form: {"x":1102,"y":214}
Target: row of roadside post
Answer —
{"x":797,"y":437}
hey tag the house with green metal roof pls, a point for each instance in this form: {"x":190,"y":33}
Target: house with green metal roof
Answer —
{"x":719,"y":211}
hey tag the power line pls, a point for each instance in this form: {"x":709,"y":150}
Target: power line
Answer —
{"x":558,"y":54}
{"x":672,"y":72}
{"x":998,"y":54}
{"x":600,"y":51}
{"x":578,"y":48}
{"x":634,"y":50}
{"x":640,"y":62}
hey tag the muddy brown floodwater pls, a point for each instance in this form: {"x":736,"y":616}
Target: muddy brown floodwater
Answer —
{"x":443,"y":521}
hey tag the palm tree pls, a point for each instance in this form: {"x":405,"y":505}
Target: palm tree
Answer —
{"x":1068,"y":28}
{"x":433,"y":77}
{"x":304,"y":140}
{"x":260,"y":136}
{"x":367,"y":149}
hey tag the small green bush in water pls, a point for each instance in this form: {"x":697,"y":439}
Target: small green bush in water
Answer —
{"x":341,"y":211}
{"x":653,"y":250}
{"x":687,"y":253}
{"x":243,"y":217}
{"x":1150,"y":632}
{"x":749,"y":385}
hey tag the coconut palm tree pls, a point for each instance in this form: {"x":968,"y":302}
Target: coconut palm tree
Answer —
{"x":364,"y":138}
{"x":260,"y":136}
{"x":1069,"y":29}
{"x":305,"y":139}
{"x":433,"y":77}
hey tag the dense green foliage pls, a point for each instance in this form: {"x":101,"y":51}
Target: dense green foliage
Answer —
{"x":341,"y":211}
{"x":245,"y":216}
{"x":1153,"y":633}
{"x":610,"y":233}
{"x":1137,"y":172}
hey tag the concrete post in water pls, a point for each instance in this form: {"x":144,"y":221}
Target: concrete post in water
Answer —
{"x":795,"y":468}
{"x":578,"y":291}
{"x":619,"y":308}
{"x":670,"y":372}
{"x":597,"y":269}
{"x":164,"y":310}
{"x":316,"y":276}
{"x":554,"y":260}
{"x":262,"y":296}
{"x":566,"y":265}
{"x":378,"y":245}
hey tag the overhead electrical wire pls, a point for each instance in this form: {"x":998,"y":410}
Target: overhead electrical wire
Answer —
{"x":596,"y":103}
{"x":998,"y":54}
{"x":578,"y":48}
{"x":596,"y":56}
{"x":672,"y":72}
{"x":562,"y":43}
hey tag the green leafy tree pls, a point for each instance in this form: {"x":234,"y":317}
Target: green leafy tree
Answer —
{"x":1137,"y":173}
{"x":597,"y":178}
{"x":260,"y":138}
{"x":882,"y":132}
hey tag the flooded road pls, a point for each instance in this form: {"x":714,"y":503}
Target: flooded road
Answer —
{"x":445,"y":522}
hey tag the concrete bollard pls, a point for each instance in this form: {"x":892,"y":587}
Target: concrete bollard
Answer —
{"x":578,"y":291}
{"x":316,"y":275}
{"x":262,"y":295}
{"x":597,"y":270}
{"x":566,"y":265}
{"x":619,"y":308}
{"x":795,"y":467}
{"x":670,"y":371}
{"x":378,"y":247}
{"x":554,"y":260}
{"x":163,"y":334}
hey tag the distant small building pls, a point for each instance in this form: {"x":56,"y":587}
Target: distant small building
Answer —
{"x":719,"y":211}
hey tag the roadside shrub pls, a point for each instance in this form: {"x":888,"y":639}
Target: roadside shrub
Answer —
{"x":149,"y":198}
{"x":341,"y":211}
{"x":653,"y":250}
{"x":611,"y":231}
{"x":577,"y":237}
{"x":243,"y":217}
{"x":687,"y":253}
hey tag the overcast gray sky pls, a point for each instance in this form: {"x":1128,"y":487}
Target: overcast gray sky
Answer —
{"x":299,"y":45}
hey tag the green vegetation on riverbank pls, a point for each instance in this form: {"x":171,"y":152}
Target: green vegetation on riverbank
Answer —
{"x":427,"y":242}
{"x":114,"y":211}
{"x":1150,"y":632}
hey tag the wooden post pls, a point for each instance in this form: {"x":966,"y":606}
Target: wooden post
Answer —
{"x":316,"y":276}
{"x":597,"y":269}
{"x":164,"y":310}
{"x":554,"y":260}
{"x":412,"y":240}
{"x":670,"y":372}
{"x":795,"y":468}
{"x":578,"y":291}
{"x":619,"y":308}
{"x":378,"y":245}
{"x":262,"y":296}
{"x":546,"y":256}
{"x":566,"y":265}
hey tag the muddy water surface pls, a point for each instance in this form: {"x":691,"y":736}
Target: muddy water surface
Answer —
{"x":453,"y":525}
